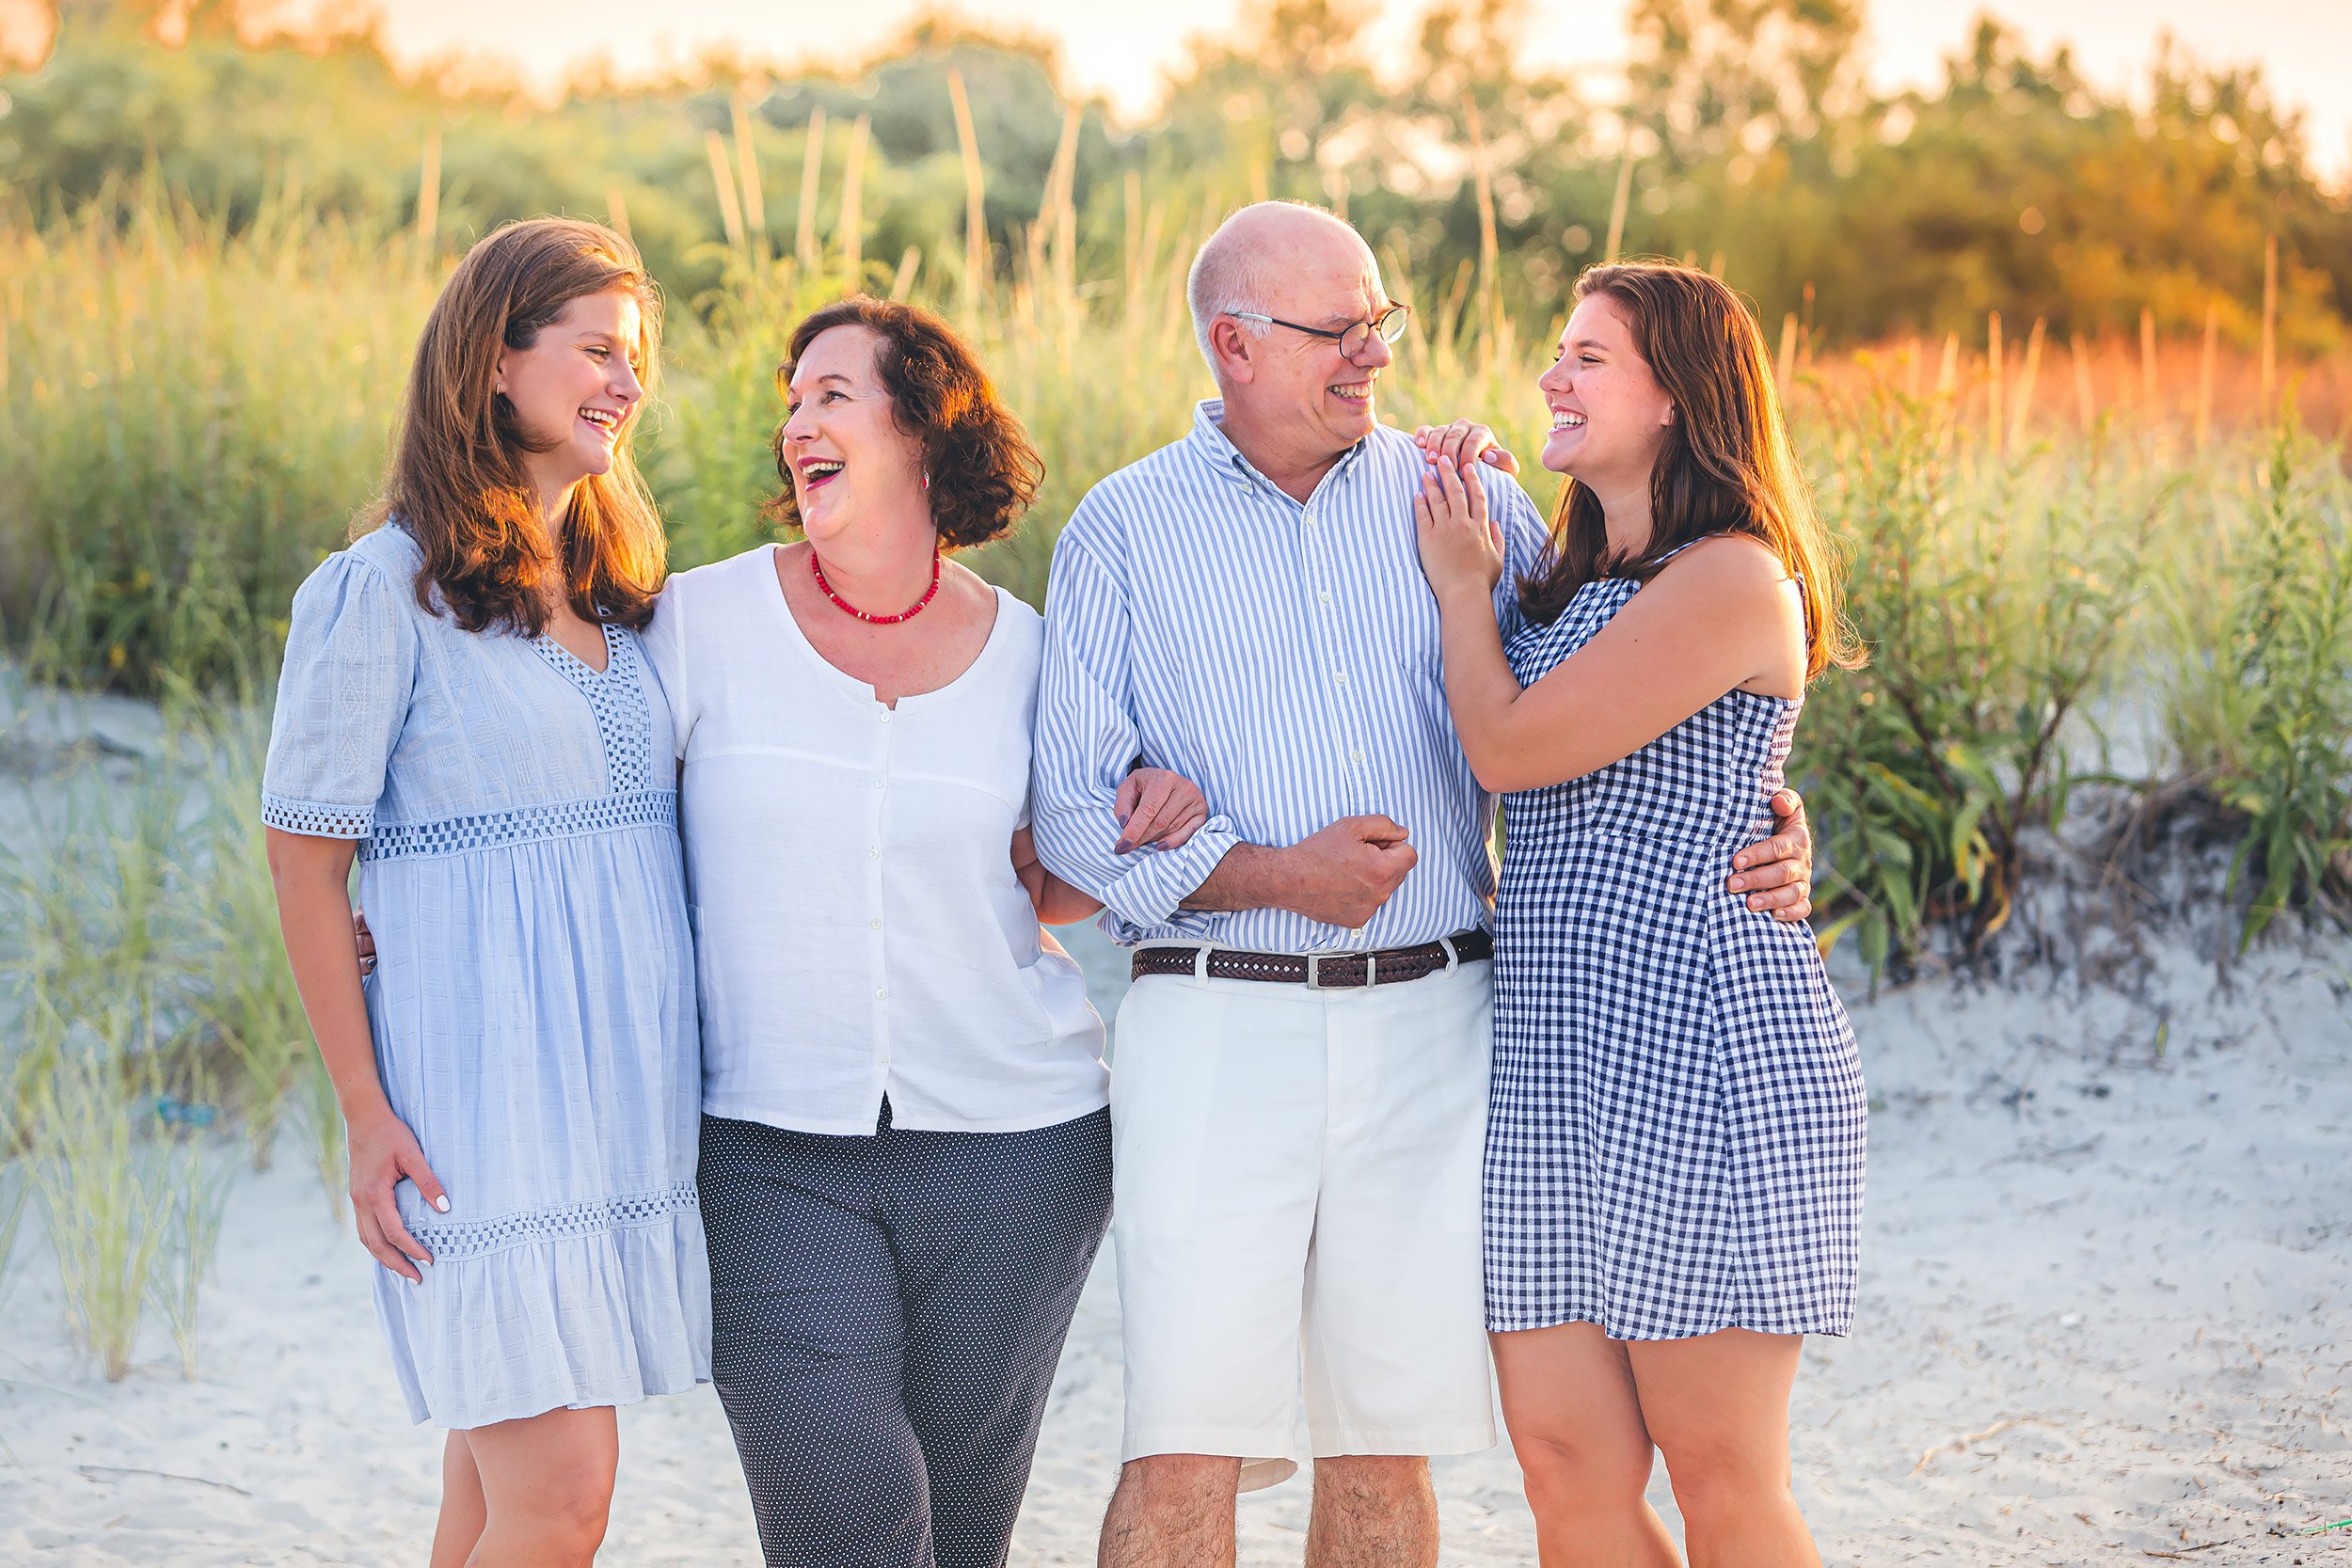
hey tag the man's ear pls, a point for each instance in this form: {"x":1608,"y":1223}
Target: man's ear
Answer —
{"x":1235,"y":357}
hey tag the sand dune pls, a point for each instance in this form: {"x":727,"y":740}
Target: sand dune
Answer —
{"x":2103,"y":1317}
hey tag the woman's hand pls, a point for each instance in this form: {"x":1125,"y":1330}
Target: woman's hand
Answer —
{"x":383,"y":1153}
{"x":1461,"y":546}
{"x":1157,"y":809}
{"x":1463,"y":443}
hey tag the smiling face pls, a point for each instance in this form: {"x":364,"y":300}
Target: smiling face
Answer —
{"x":575,"y":387}
{"x":1608,"y":414}
{"x":1296,"y":386}
{"x":845,"y":454}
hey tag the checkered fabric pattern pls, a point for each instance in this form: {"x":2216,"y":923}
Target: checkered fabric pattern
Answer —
{"x":1675,"y":1144}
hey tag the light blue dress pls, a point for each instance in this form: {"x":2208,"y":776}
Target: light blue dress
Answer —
{"x":532,"y":1005}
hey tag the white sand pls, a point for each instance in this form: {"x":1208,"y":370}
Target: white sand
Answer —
{"x":2104,"y":1286}
{"x":2103,"y":1320}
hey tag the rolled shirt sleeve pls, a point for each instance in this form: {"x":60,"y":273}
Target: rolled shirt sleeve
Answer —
{"x":1086,"y":742}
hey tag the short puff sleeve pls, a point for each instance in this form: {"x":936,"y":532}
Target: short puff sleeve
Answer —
{"x":351,"y":661}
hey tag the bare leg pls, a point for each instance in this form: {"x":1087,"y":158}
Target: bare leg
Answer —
{"x":462,"y":1508}
{"x":1569,"y":1399}
{"x":546,"y":1486}
{"x":1171,"y":1511}
{"x":1718,"y":1407}
{"x":1372,"y":1511}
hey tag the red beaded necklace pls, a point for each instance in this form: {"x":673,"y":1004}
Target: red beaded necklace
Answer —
{"x":846,"y":608}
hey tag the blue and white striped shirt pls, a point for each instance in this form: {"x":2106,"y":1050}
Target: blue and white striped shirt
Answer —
{"x":1284,"y":657}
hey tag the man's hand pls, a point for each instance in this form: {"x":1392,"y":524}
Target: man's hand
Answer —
{"x":365,"y":938}
{"x":1462,"y":443}
{"x":1777,"y":874}
{"x":1342,"y":874}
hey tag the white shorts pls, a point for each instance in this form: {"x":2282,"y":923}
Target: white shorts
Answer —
{"x":1300,"y":1170}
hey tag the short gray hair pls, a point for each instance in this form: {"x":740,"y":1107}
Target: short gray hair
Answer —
{"x":1226,"y":278}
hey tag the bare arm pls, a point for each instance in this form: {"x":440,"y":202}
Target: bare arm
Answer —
{"x":1720,"y":618}
{"x":1056,"y":901}
{"x":1340,"y":874}
{"x":311,"y":877}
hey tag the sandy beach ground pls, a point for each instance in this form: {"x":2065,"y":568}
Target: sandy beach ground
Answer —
{"x":2103,"y":1319}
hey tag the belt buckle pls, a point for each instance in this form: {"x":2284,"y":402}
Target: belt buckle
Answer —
{"x":1314,"y":970}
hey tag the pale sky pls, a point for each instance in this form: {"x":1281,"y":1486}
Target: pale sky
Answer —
{"x":1121,"y":47}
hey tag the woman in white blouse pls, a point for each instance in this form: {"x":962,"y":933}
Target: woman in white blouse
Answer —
{"x":905,"y":1151}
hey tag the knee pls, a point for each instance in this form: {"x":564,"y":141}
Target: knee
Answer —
{"x":1570,"y":1470}
{"x":1174,"y":1481}
{"x":1715,"y":1475}
{"x":1374,"y":1477}
{"x":570,"y":1512}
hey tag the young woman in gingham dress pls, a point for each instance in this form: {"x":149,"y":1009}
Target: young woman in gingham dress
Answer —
{"x":1675,"y":1139}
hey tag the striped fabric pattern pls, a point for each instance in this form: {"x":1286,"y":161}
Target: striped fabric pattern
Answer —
{"x":1282,"y":655}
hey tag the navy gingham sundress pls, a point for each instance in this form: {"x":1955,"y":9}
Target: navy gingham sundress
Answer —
{"x":1675,"y":1144}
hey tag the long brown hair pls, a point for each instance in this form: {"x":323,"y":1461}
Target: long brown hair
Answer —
{"x":459,"y":484}
{"x":1727,"y":464}
{"x":983,"y":471}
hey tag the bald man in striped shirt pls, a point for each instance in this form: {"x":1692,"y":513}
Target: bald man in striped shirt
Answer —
{"x":1299,"y":1100}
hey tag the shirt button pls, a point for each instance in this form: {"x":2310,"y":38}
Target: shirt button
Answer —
{"x":874,"y":854}
{"x":878,"y":783}
{"x":885,"y":716}
{"x":1339,"y":676}
{"x":1310,"y":519}
{"x":880,"y":992}
{"x":1356,"y":932}
{"x":1357,"y":755}
{"x":877,"y":924}
{"x":1325,"y":596}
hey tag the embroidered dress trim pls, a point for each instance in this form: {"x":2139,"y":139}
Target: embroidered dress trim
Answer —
{"x":317,"y":820}
{"x":462,"y":835}
{"x":618,"y":699}
{"x":477,"y":1238}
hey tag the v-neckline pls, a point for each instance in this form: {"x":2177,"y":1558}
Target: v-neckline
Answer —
{"x":571,"y":663}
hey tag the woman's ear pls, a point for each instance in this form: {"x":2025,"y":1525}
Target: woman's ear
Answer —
{"x":1669,"y":417}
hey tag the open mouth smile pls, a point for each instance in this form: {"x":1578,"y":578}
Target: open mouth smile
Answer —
{"x":604,"y":419}
{"x":817,"y":470}
{"x":1562,"y":418}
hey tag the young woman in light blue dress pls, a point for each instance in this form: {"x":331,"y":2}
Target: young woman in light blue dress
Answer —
{"x":465,"y":707}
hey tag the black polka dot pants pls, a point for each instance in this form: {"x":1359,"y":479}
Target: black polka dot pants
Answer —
{"x":886,"y":1313}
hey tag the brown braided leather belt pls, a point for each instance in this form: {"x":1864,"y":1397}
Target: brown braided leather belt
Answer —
{"x":1316,"y":970}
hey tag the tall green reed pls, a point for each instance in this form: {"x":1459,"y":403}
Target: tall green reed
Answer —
{"x":2258,"y":684}
{"x":1993,"y":592}
{"x":192,"y":417}
{"x":107,"y":1190}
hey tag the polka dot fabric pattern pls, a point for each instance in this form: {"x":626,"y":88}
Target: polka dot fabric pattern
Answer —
{"x":1675,"y":1136}
{"x":533,"y":1006}
{"x":887,"y":1311}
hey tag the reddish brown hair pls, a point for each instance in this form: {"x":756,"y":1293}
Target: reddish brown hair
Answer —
{"x":459,"y":484}
{"x":983,"y":471}
{"x":1727,"y":464}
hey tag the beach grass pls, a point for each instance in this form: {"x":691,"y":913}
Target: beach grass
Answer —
{"x":2107,"y":587}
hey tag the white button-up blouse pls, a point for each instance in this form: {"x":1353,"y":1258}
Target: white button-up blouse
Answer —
{"x":858,"y":928}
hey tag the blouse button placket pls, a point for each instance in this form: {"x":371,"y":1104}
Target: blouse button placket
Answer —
{"x":877,"y":937}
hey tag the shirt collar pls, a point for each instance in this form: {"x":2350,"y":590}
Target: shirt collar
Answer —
{"x":1209,"y":442}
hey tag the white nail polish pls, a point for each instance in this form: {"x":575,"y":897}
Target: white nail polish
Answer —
{"x":442,"y":1204}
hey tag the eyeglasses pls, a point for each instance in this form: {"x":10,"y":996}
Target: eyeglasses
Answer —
{"x":1352,"y":338}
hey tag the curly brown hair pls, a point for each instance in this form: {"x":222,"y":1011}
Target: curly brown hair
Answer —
{"x":459,"y":484}
{"x":983,"y":471}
